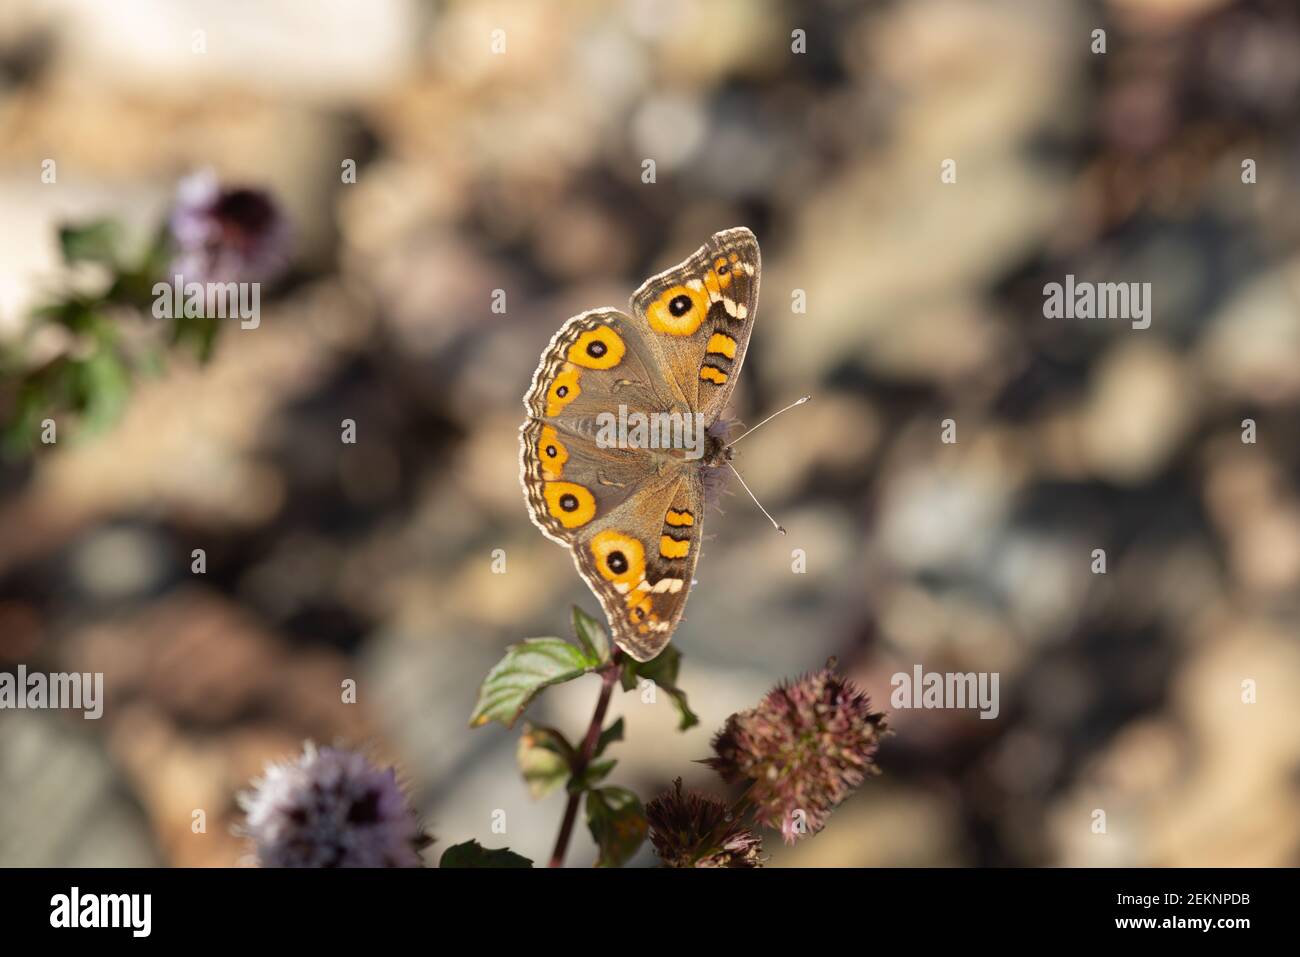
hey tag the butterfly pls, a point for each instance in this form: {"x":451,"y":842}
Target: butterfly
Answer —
{"x":624,"y":434}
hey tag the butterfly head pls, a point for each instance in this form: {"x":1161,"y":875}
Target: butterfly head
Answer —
{"x":716,"y":452}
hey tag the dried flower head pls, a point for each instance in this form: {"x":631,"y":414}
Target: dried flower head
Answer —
{"x":331,"y":807}
{"x":804,"y":749}
{"x":692,"y":830}
{"x":226,"y":234}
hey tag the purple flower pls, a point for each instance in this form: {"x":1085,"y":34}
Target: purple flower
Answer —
{"x":331,"y":807}
{"x":226,"y":234}
{"x":803,"y":750}
{"x":693,"y":830}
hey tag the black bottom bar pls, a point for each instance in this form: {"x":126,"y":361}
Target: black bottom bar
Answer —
{"x":334,"y":907}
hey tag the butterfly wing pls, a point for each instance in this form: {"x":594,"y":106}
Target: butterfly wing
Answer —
{"x":701,"y":314}
{"x":599,"y":360}
{"x":640,"y":562}
{"x":633,"y":527}
{"x":634,"y":534}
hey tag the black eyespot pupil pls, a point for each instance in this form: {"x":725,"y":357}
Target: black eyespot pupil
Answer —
{"x":551,"y":452}
{"x":562,"y":391}
{"x":617,"y":562}
{"x":596,"y":349}
{"x":680,"y":305}
{"x":568,"y":501}
{"x":723,"y":270}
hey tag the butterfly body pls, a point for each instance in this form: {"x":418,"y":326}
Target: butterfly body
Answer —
{"x":625,"y":436}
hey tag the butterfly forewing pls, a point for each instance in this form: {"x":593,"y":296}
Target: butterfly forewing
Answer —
{"x":701,"y":313}
{"x":598,"y":361}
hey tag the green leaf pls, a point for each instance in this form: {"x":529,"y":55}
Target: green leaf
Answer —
{"x":90,"y":242}
{"x":474,"y":854}
{"x":662,"y":670}
{"x":618,"y":825}
{"x":607,"y":737}
{"x":527,"y":668}
{"x":591,"y":635}
{"x":596,"y":772}
{"x":198,"y":334}
{"x":103,"y":384}
{"x":545,"y":759}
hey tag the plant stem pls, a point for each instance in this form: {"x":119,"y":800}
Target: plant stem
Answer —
{"x":609,"y":676}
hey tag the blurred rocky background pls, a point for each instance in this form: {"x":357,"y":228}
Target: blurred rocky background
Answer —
{"x":521,"y":171}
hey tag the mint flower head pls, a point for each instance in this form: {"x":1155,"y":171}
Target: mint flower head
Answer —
{"x":803,"y":750}
{"x":226,"y":233}
{"x":331,"y":807}
{"x":692,"y":830}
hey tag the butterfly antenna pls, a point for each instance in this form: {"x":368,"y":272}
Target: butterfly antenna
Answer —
{"x":759,"y":426}
{"x":753,"y":496}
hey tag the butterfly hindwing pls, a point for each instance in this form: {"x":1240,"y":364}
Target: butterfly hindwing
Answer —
{"x":701,"y":313}
{"x":635,"y":536}
{"x":640,"y":562}
{"x":569,"y":481}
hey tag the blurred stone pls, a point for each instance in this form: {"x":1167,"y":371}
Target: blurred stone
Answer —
{"x":65,"y":803}
{"x":833,"y":437}
{"x":1141,"y":406}
{"x":670,"y":128}
{"x":338,"y":51}
{"x":1229,"y":806}
{"x":947,"y":511}
{"x":1258,"y":513}
{"x":882,"y":826}
{"x":1042,"y":579}
{"x":583,"y":240}
{"x":118,"y":563}
{"x":1252,"y":349}
{"x":22,"y":632}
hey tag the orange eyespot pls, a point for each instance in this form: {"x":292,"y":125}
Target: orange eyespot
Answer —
{"x":670,"y":547}
{"x":599,"y":348}
{"x":638,"y":606}
{"x":722,"y":345}
{"x":552,"y":453}
{"x":718,"y":278}
{"x":678,"y":311}
{"x":619,"y":558}
{"x":563,"y":390}
{"x":569,"y":503}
